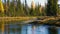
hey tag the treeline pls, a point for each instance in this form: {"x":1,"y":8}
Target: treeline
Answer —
{"x":16,"y":8}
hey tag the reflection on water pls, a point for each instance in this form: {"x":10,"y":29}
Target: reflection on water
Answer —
{"x":58,"y":29}
{"x":30,"y":29}
{"x":0,"y":32}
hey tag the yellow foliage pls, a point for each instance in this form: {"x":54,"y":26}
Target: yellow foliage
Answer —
{"x":1,"y":6}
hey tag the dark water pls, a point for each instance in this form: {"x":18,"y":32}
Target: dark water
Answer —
{"x":30,"y":29}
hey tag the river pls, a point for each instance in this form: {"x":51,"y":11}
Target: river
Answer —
{"x":31,"y":29}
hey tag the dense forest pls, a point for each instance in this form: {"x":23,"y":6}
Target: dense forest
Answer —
{"x":16,"y":8}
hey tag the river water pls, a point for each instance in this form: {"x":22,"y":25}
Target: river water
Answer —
{"x":31,"y":29}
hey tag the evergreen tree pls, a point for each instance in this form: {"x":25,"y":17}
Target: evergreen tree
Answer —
{"x":45,"y":9}
{"x":58,"y":9}
{"x":37,"y":10}
{"x":5,"y":5}
{"x":19,"y":7}
{"x":26,"y":8}
{"x":12,"y":8}
{"x":32,"y":11}
{"x":52,"y":8}
{"x":40,"y":12}
{"x":8,"y":4}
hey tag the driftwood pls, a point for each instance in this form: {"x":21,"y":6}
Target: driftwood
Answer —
{"x":41,"y":20}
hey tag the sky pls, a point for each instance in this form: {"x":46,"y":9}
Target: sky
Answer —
{"x":42,"y":2}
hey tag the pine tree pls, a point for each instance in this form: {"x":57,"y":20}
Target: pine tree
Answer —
{"x":26,"y":8}
{"x":8,"y":3}
{"x":37,"y":10}
{"x":19,"y":7}
{"x":40,"y":10}
{"x":45,"y":9}
{"x":33,"y":12}
{"x":58,"y":9}
{"x":12,"y":8}
{"x":52,"y":8}
{"x":7,"y":6}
